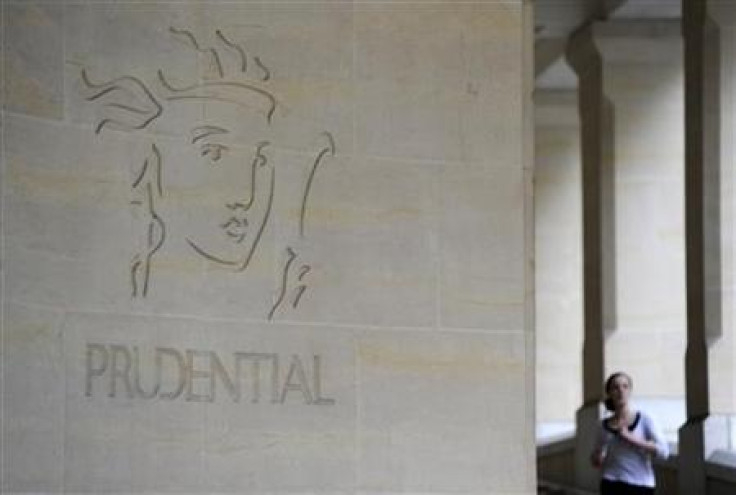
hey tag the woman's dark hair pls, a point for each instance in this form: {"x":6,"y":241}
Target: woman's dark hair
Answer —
{"x":609,"y":383}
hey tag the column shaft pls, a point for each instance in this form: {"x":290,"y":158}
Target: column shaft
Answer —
{"x":702,"y":236}
{"x":586,"y":62}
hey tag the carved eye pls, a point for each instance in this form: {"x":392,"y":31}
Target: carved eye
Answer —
{"x":213,"y":151}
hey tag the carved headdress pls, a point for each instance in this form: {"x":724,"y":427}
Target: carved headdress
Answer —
{"x":127,"y":103}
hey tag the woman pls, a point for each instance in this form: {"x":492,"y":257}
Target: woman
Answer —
{"x":627,"y":441}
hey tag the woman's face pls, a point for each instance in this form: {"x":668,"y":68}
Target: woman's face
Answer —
{"x":619,"y":391}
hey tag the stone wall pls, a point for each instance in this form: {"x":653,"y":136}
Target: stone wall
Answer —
{"x":266,"y":247}
{"x":643,"y":79}
{"x":558,"y":260}
{"x":722,"y":357}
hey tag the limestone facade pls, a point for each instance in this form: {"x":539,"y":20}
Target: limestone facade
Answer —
{"x":267,"y":247}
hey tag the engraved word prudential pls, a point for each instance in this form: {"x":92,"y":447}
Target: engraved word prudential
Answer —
{"x":127,"y":372}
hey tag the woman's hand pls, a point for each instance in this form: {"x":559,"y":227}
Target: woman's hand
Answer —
{"x":625,"y":434}
{"x":645,"y":445}
{"x":597,"y":457}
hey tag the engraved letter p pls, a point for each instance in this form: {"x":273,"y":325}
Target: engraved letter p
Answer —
{"x":95,"y":367}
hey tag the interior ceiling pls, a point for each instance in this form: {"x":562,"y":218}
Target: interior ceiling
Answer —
{"x":559,"y":18}
{"x":556,"y":20}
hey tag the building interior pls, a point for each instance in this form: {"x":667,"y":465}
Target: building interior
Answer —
{"x":634,"y":136}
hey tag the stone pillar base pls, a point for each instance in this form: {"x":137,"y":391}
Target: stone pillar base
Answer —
{"x":699,"y":439}
{"x":587,"y":418}
{"x":691,"y":457}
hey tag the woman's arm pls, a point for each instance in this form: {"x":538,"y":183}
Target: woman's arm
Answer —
{"x":599,"y":452}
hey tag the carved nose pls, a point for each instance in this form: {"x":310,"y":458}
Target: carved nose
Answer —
{"x":239,"y":206}
{"x":235,"y":222}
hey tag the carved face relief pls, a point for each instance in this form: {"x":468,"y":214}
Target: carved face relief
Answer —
{"x":230,"y":203}
{"x":210,"y":187}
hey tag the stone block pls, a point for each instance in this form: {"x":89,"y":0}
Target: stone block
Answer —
{"x":203,"y":405}
{"x":33,"y":75}
{"x":34,"y":416}
{"x":482,"y":248}
{"x":450,"y":392}
{"x":409,"y":88}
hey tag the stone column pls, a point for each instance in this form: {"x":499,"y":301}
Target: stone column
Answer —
{"x":701,"y":434}
{"x":585,"y":60}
